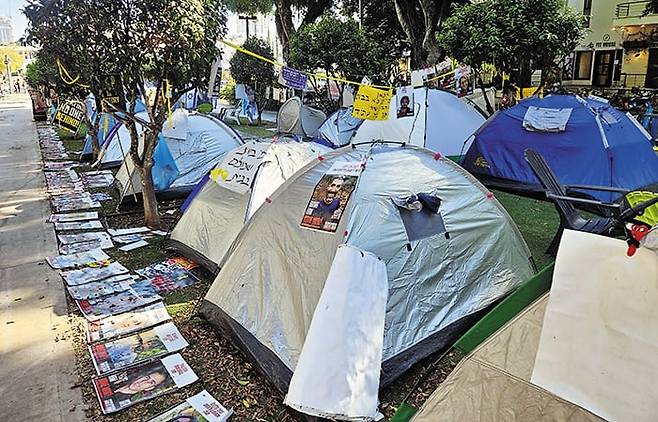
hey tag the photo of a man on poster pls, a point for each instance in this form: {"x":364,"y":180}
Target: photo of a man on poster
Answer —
{"x":405,"y":101}
{"x":330,"y":197}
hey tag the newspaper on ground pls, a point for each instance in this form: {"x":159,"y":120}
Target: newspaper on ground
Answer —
{"x":128,"y":323}
{"x":95,"y":289}
{"x":78,"y":225}
{"x":131,"y":238}
{"x":74,"y":216}
{"x":137,"y":348}
{"x":61,"y":262}
{"x":93,"y":271}
{"x":74,"y":202}
{"x":133,"y":246}
{"x":159,"y":232}
{"x":59,"y":165}
{"x":201,"y":407}
{"x":74,"y":248}
{"x":101,"y":196}
{"x":169,"y":275}
{"x":106,"y":306}
{"x":132,"y":230}
{"x":102,"y":237}
{"x":98,"y":179}
{"x":124,"y":388}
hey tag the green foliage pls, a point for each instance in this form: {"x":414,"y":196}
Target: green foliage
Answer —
{"x":526,"y":35}
{"x":228,"y":92}
{"x":42,"y":74}
{"x":249,"y":6}
{"x":338,"y":48}
{"x":254,"y":72}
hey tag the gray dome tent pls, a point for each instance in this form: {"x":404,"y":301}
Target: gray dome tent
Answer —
{"x":296,"y":118}
{"x":216,"y":214}
{"x":442,"y":268}
{"x":196,"y":143}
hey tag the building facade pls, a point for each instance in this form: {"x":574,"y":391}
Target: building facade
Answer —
{"x":6,"y":30}
{"x":620,"y":48}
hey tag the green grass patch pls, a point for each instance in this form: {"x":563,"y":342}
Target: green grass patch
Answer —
{"x":66,"y":135}
{"x":259,"y":131}
{"x":537,"y":220}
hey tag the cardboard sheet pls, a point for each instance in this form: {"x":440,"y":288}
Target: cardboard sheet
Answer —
{"x":599,"y":339}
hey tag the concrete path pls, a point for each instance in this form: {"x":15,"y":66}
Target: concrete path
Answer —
{"x":37,"y":368}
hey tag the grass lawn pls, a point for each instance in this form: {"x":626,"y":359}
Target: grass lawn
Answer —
{"x":537,"y":220}
{"x":247,"y":130}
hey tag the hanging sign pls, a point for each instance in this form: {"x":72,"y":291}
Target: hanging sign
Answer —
{"x":293,"y":78}
{"x":237,"y":170}
{"x":70,"y":115}
{"x":111,"y":93}
{"x":372,"y":103}
{"x":405,"y":101}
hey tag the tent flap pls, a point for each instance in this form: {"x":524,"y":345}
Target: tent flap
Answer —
{"x":337,"y":375}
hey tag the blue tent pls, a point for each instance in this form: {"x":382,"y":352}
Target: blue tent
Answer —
{"x":106,"y":122}
{"x":599,"y":145}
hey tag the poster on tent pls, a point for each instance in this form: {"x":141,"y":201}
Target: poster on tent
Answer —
{"x":137,"y":348}
{"x":331,"y":195}
{"x":372,"y":103}
{"x":122,"y":389}
{"x":70,"y":115}
{"x":464,"y":81}
{"x":404,"y":99}
{"x":201,"y":407}
{"x":124,"y":324}
{"x":112,"y":96}
{"x":237,"y":170}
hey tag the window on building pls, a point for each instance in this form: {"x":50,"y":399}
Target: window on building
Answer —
{"x":587,"y":12}
{"x":583,"y":65}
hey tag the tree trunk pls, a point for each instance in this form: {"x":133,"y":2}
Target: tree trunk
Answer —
{"x":151,"y":215}
{"x":419,"y":20}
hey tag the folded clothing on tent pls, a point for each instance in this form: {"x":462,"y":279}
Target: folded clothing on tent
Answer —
{"x":540,"y":119}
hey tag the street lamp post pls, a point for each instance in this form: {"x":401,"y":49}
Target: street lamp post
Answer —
{"x":7,"y":64}
{"x":246,"y":20}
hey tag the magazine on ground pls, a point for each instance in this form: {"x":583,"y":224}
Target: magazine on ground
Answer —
{"x":201,"y":407}
{"x":128,"y":323}
{"x":102,"y":237}
{"x":169,"y":275}
{"x":93,"y":271}
{"x":78,"y":225}
{"x":96,"y":289}
{"x":137,"y":348}
{"x":124,"y":388}
{"x":74,"y":216}
{"x":74,"y":248}
{"x":61,"y":262}
{"x":106,"y":306}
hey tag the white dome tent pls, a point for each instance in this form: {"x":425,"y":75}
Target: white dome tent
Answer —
{"x":117,"y":143}
{"x":196,"y":142}
{"x":441,"y":122}
{"x":441,"y":266}
{"x":216,"y":214}
{"x":296,"y":118}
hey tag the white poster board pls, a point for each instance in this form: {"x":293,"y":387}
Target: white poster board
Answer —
{"x":238,"y":169}
{"x":599,"y":340}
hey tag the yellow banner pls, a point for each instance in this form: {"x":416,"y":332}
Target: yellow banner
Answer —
{"x":372,"y":103}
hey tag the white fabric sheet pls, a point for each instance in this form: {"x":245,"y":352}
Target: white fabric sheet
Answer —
{"x":539,"y":119}
{"x":599,"y":340}
{"x":337,"y":375}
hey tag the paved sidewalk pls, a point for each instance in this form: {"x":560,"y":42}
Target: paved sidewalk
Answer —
{"x":37,"y":369}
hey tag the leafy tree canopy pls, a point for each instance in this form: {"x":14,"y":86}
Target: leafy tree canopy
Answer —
{"x":254,"y":72}
{"x":517,"y":36}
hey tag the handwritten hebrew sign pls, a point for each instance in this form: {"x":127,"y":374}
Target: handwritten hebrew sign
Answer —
{"x":239,"y":167}
{"x":372,"y":103}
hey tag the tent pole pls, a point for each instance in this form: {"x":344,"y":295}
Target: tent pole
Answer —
{"x":130,"y":176}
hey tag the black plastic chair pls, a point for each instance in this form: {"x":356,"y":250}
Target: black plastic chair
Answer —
{"x":570,"y":218}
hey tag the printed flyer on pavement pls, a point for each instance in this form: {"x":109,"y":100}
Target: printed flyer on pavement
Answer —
{"x":201,"y":407}
{"x":74,"y":216}
{"x":137,"y":348}
{"x":122,"y":389}
{"x":93,"y":271}
{"x":78,"y":225}
{"x":96,"y":289}
{"x":128,"y":323}
{"x":61,"y":262}
{"x":103,"y":307}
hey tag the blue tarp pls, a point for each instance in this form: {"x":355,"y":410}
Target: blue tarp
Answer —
{"x":601,"y":146}
{"x":164,"y":170}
